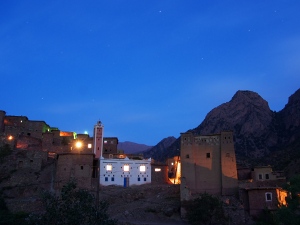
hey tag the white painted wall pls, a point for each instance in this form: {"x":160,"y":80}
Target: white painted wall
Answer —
{"x":112,"y":172}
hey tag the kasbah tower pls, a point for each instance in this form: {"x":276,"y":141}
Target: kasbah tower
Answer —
{"x":98,"y":139}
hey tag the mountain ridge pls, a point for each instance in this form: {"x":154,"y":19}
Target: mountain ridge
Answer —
{"x":258,"y":131}
{"x":132,"y":147}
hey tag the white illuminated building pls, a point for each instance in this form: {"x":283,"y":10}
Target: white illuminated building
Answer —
{"x":125,"y":172}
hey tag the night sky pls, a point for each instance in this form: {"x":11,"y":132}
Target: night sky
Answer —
{"x":146,"y":69}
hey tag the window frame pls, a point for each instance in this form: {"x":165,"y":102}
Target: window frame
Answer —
{"x":268,"y":196}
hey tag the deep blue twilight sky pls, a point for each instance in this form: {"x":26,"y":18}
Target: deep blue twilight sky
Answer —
{"x":148,"y":69}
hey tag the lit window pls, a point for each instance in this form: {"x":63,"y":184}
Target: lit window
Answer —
{"x":89,"y":145}
{"x":108,"y":167}
{"x":126,"y":168}
{"x":105,"y":142}
{"x":268,"y":196}
{"x":157,"y":169}
{"x":142,"y":168}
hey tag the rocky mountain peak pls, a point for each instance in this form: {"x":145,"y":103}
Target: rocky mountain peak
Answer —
{"x":246,"y":113}
{"x":250,"y":97}
{"x":258,"y":131}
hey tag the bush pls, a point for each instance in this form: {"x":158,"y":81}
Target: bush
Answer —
{"x":206,"y":209}
{"x":74,"y":207}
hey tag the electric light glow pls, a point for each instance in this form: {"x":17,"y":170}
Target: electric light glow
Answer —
{"x":78,"y":144}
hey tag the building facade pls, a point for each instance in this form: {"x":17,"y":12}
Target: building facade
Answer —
{"x":257,"y":199}
{"x":124,"y":172}
{"x":75,"y":166}
{"x":208,"y":164}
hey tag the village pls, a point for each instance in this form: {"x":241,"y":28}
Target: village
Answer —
{"x":44,"y":157}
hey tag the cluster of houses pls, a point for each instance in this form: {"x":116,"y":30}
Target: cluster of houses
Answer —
{"x":207,"y":163}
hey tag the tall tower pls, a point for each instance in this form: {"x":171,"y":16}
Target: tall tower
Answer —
{"x":98,"y":139}
{"x":2,"y":116}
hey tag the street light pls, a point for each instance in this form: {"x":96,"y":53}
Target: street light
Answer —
{"x":78,"y":144}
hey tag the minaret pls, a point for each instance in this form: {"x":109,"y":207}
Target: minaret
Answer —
{"x":2,"y":116}
{"x":98,"y":139}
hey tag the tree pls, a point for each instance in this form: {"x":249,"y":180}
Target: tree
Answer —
{"x":7,"y":217}
{"x":73,"y":206}
{"x":206,"y":209}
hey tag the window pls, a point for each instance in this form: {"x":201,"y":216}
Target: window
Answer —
{"x":81,"y":167}
{"x":106,"y":178}
{"x":89,"y":145}
{"x":268,"y":196}
{"x":145,"y":179}
{"x":227,"y":155}
{"x":157,"y":169}
{"x":108,"y":167}
{"x":260,"y":176}
{"x":142,"y":168}
{"x":208,"y":155}
{"x":112,"y":179}
{"x":267,"y":176}
{"x":139,"y":179}
{"x":187,"y":156}
{"x":126,"y":168}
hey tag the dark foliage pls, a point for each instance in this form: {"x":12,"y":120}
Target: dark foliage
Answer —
{"x":206,"y":209}
{"x":74,"y":207}
{"x":6,"y":217}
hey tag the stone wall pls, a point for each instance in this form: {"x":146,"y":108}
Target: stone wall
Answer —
{"x":74,"y":166}
{"x":159,"y":173}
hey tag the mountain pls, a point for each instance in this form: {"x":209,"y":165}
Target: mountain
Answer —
{"x":259,"y":132}
{"x":131,"y":147}
{"x":158,"y":151}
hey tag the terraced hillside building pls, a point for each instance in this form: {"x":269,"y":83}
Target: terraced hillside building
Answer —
{"x":208,"y":164}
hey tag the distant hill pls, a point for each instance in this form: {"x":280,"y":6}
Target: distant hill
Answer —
{"x":131,"y":147}
{"x":259,"y":132}
{"x":158,"y":152}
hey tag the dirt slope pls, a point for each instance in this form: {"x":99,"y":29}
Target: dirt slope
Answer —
{"x":145,"y":204}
